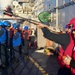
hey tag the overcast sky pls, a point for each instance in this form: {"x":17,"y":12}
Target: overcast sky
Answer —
{"x":4,"y":3}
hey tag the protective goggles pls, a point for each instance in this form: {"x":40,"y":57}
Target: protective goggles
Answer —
{"x":69,"y":26}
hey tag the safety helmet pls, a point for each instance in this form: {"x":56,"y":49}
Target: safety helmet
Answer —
{"x":1,"y":23}
{"x":6,"y":23}
{"x":71,"y":24}
{"x":14,"y":25}
{"x":25,"y":27}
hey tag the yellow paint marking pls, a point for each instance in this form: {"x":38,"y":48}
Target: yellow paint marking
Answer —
{"x":38,"y":66}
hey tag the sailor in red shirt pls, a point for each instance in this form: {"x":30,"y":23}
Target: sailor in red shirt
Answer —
{"x":26,"y":38}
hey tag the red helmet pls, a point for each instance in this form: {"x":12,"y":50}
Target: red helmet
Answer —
{"x":71,"y":24}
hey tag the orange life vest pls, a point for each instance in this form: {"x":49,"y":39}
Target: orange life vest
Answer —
{"x":26,"y":34}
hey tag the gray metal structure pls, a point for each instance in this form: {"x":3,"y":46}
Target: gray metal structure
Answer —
{"x":65,"y":12}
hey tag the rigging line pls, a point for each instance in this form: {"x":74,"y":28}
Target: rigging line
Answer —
{"x":62,"y":6}
{"x":68,"y":10}
{"x":29,"y":20}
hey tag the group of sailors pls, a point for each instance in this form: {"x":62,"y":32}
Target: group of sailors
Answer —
{"x":14,"y":42}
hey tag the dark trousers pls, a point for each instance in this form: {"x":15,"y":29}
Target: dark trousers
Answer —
{"x":25,"y":47}
{"x":64,"y":71}
{"x":16,"y":52}
{"x":3,"y":54}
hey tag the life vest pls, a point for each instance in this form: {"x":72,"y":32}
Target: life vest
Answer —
{"x":3,"y":36}
{"x":26,"y":34}
{"x":69,"y":51}
{"x":17,"y":41}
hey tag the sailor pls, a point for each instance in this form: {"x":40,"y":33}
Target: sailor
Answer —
{"x":16,"y":44}
{"x":26,"y":38}
{"x":3,"y":51}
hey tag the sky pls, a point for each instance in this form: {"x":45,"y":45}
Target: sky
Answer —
{"x":4,"y":3}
